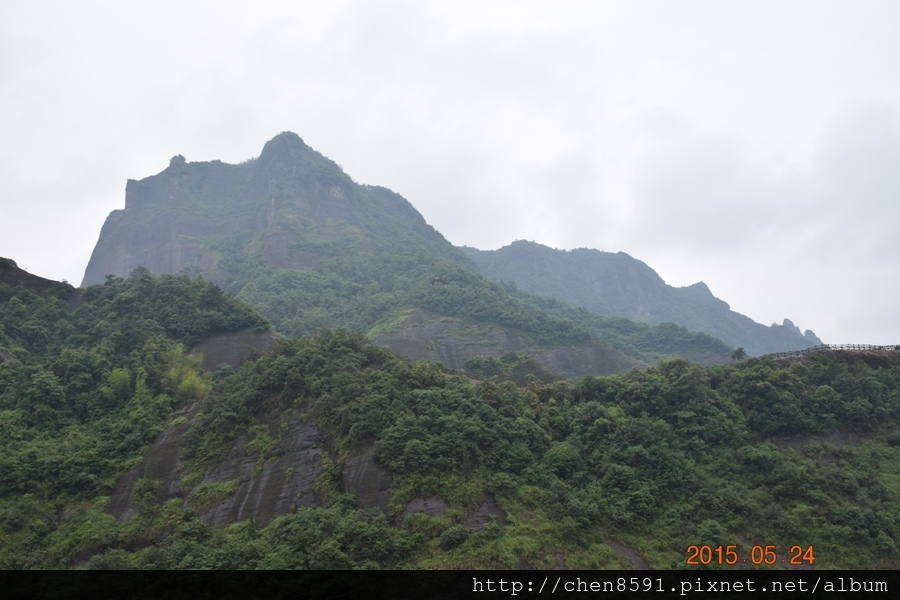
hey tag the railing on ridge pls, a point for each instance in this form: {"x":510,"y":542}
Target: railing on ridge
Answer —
{"x":829,"y":347}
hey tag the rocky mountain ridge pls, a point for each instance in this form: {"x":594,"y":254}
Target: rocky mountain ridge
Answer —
{"x":290,"y":208}
{"x":619,"y":285}
{"x":297,"y":238}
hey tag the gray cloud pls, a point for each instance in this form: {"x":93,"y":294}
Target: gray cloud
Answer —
{"x":753,"y":146}
{"x":821,"y":239}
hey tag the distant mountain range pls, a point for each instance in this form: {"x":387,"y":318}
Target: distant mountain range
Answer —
{"x":298,"y":239}
{"x":619,"y":285}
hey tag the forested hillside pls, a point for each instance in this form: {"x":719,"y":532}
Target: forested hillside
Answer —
{"x":598,"y":472}
{"x":83,"y":390}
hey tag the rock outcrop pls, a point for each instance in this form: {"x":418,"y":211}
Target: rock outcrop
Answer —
{"x":267,"y":488}
{"x":162,"y":464}
{"x":297,"y":238}
{"x":488,"y":511}
{"x":260,"y":488}
{"x":367,"y":480}
{"x":245,"y":485}
{"x":233,"y":348}
{"x":453,"y":342}
{"x":433,"y":507}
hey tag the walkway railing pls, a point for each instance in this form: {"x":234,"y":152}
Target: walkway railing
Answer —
{"x":830,"y":347}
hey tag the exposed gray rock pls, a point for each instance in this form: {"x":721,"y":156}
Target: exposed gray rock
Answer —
{"x":630,"y":553}
{"x":488,"y":511}
{"x":433,"y":507}
{"x":453,"y":342}
{"x":447,"y":340}
{"x":284,"y":482}
{"x":233,"y":348}
{"x":370,"y":483}
{"x":276,"y":487}
{"x":161,"y":463}
{"x":587,"y":359}
{"x":121,"y":504}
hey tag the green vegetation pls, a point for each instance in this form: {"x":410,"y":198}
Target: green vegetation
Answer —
{"x":83,"y":392}
{"x":517,"y":367}
{"x":370,"y":294}
{"x":660,"y":458}
{"x":516,"y":465}
{"x":759,"y":452}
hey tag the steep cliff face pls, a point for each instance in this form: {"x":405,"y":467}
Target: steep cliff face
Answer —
{"x":168,"y":218}
{"x":453,"y":342}
{"x":618,"y":285}
{"x":363,"y":477}
{"x":246,"y":485}
{"x":265,"y":489}
{"x":290,"y":208}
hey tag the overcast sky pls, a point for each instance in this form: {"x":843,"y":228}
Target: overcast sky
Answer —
{"x":754,"y":146}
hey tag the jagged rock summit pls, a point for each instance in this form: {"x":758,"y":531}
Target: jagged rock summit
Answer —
{"x":291,"y":207}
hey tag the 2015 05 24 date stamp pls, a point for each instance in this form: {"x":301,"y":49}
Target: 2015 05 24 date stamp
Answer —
{"x":759,"y":555}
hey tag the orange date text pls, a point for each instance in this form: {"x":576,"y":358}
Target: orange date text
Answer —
{"x":758,"y":555}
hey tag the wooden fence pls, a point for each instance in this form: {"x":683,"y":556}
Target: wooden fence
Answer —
{"x":831,"y":347}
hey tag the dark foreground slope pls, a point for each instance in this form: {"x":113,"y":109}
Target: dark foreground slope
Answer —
{"x":11,"y":276}
{"x":298,"y":239}
{"x":618,"y":285}
{"x":118,"y":451}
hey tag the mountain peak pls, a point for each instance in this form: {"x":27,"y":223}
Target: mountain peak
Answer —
{"x":788,"y":324}
{"x":286,"y":156}
{"x":287,"y":137}
{"x":286,"y":142}
{"x":700,"y":288}
{"x":290,"y":208}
